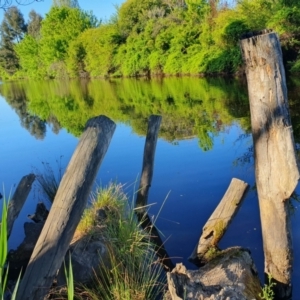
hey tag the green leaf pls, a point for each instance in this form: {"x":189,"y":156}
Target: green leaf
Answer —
{"x":3,"y":236}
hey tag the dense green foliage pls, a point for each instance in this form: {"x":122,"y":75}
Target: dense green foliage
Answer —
{"x":45,"y":56}
{"x":149,"y":37}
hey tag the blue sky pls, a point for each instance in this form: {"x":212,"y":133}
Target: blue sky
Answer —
{"x":102,"y":9}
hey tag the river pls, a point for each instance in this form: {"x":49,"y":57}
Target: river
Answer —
{"x":204,"y":141}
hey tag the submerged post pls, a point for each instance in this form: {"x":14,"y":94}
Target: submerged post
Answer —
{"x":142,"y":194}
{"x":67,"y":208}
{"x":276,"y":168}
{"x":17,"y":201}
{"x":148,"y":161}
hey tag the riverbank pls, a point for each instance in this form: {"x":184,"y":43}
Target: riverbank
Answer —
{"x":153,"y":37}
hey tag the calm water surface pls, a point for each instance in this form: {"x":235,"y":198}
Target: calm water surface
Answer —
{"x":204,"y":142}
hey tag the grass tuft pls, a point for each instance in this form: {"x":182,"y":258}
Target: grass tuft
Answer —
{"x":110,"y":201}
{"x":47,"y":180}
{"x":135,"y":272}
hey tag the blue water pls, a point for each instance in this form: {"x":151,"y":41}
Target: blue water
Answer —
{"x":187,"y":185}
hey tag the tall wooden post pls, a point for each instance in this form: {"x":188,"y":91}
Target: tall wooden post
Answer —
{"x":142,"y":194}
{"x":276,"y":168}
{"x":148,"y":161}
{"x":67,"y":208}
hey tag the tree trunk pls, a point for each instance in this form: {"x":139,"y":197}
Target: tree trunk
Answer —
{"x":217,"y":224}
{"x":276,"y":168}
{"x":67,"y":209}
{"x":17,"y":201}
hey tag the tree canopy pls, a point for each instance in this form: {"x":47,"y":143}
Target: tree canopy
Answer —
{"x":151,"y":37}
{"x":12,"y":29}
{"x":34,"y":24}
{"x":67,"y":3}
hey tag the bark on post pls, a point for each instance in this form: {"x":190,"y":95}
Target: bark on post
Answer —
{"x":148,"y":161}
{"x":276,"y":168}
{"x":217,"y":224}
{"x":17,"y":201}
{"x":67,"y":208}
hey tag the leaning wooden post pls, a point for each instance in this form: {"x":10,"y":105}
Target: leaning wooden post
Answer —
{"x":217,"y":224}
{"x":67,"y":208}
{"x":148,"y":161}
{"x":276,"y":168}
{"x":142,"y":194}
{"x":17,"y":201}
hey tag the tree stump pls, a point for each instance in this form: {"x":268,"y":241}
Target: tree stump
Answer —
{"x":230,"y":275}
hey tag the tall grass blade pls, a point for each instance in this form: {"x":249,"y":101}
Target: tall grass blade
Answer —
{"x":48,"y":180}
{"x":69,"y":279}
{"x":3,"y":255}
{"x":3,"y":235}
{"x":161,"y":207}
{"x":14,"y":294}
{"x":3,"y":249}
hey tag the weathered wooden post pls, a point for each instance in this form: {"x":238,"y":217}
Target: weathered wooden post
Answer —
{"x":17,"y":201}
{"x":142,"y":194}
{"x":148,"y":161}
{"x":217,"y":224}
{"x":276,"y":168}
{"x":67,"y":208}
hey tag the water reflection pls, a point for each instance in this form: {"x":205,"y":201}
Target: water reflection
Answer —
{"x":16,"y":97}
{"x":189,"y":106}
{"x":214,"y":111}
